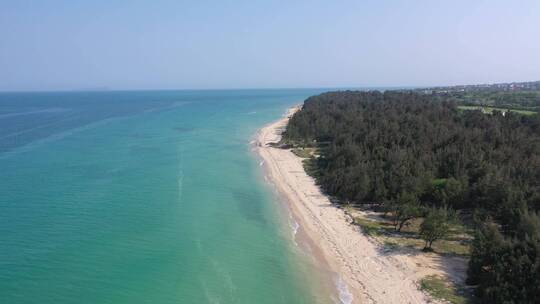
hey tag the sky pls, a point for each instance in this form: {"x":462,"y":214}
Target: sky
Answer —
{"x":78,"y":45}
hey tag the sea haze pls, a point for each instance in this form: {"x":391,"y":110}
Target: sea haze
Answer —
{"x":142,"y":197}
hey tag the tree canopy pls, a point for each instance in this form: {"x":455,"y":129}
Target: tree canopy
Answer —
{"x":409,"y":150}
{"x":375,"y":146}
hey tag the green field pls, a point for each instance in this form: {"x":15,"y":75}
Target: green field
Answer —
{"x":441,"y":289}
{"x":489,"y":110}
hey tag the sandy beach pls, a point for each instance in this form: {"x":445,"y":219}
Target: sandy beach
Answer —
{"x":370,"y":274}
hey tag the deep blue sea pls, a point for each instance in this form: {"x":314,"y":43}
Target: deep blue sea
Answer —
{"x":143,"y":197}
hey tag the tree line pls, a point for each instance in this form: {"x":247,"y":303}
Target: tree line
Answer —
{"x":404,"y":149}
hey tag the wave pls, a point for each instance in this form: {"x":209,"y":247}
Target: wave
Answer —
{"x":49,"y":110}
{"x":294,"y":228}
{"x":58,"y":136}
{"x":180,"y":184}
{"x":180,"y":178}
{"x":10,"y":151}
{"x":45,"y":125}
{"x":345,"y":296}
{"x":167,"y":107}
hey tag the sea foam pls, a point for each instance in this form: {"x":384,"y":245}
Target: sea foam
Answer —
{"x":345,"y":296}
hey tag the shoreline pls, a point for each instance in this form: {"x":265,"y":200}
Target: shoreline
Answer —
{"x":364,"y":272}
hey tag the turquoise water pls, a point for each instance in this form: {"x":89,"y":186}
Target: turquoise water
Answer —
{"x":142,"y":197}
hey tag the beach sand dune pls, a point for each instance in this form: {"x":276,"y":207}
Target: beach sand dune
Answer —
{"x":371,"y":275}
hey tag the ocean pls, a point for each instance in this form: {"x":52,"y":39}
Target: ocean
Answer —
{"x":144,"y":197}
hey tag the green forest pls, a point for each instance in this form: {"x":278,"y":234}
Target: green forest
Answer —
{"x":409,"y":152}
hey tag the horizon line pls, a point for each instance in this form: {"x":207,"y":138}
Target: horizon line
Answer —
{"x":107,"y":89}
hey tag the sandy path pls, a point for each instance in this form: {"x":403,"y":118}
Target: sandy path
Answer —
{"x":371,"y":275}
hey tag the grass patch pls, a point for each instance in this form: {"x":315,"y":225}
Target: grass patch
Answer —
{"x":439,"y":288}
{"x":389,"y":246}
{"x":303,"y":152}
{"x":439,"y":182}
{"x":369,"y":227}
{"x":456,"y":244}
{"x":452,"y":247}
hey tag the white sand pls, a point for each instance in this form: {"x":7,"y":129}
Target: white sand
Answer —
{"x":371,"y":275}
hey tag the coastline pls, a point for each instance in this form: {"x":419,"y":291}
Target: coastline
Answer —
{"x":363,"y":272}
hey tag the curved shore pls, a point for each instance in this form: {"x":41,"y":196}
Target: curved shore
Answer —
{"x":370,"y":275}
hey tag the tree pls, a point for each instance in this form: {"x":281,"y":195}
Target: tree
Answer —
{"x":450,"y":192}
{"x":485,"y":251}
{"x":506,"y":269}
{"x":405,"y":209}
{"x":436,"y":225}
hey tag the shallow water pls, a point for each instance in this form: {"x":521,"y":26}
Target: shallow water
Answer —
{"x":143,"y":197}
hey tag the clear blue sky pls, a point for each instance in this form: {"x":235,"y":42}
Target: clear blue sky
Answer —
{"x":57,"y":45}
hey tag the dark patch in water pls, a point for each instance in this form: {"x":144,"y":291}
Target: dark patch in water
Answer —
{"x":146,"y":150}
{"x":94,"y":171}
{"x":143,"y":135}
{"x":183,"y":129}
{"x":250,"y":206}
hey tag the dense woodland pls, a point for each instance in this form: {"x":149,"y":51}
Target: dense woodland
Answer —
{"x":403,"y":148}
